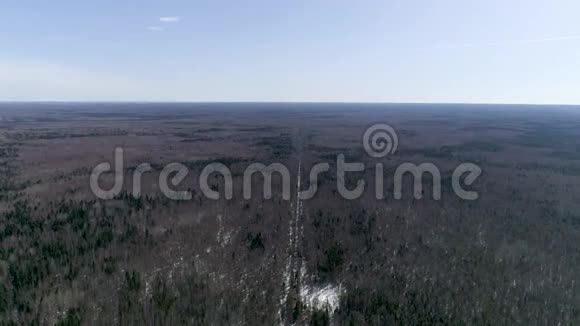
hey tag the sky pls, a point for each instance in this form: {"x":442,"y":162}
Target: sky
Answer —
{"x":479,"y":51}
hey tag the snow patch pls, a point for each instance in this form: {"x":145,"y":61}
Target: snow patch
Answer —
{"x":325,"y":297}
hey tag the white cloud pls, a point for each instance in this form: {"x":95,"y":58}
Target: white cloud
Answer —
{"x":155,"y":28}
{"x":170,"y":19}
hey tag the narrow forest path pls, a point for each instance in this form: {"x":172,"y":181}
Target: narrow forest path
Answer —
{"x":291,"y":283}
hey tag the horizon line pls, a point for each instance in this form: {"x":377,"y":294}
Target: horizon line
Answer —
{"x":273,"y":102}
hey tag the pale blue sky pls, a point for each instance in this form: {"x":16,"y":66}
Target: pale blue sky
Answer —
{"x":492,"y":51}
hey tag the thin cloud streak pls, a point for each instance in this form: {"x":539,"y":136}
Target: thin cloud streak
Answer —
{"x":155,"y":28}
{"x":553,"y":39}
{"x":512,"y":42}
{"x":170,"y":19}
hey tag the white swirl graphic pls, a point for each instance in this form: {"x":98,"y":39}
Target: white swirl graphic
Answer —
{"x":380,"y":140}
